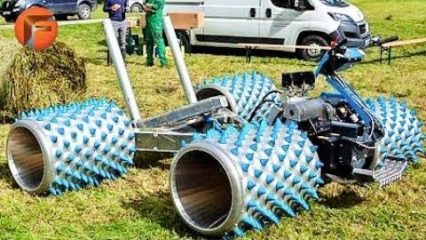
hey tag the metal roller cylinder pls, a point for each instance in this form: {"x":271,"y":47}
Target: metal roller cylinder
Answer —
{"x":69,"y":147}
{"x":244,"y":93}
{"x":231,"y":181}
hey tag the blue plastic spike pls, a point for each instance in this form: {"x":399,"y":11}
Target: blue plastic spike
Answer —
{"x":296,"y":180}
{"x":106,"y":149}
{"x":293,"y":163}
{"x":48,"y":126}
{"x":312,"y":175}
{"x":252,"y":222}
{"x":250,"y":156}
{"x":66,"y":143}
{"x":235,"y":151}
{"x":313,"y":148}
{"x":86,"y":119}
{"x":287,"y":174}
{"x":54,"y":139}
{"x":319,"y":164}
{"x":298,"y":153}
{"x":121,"y":132}
{"x":303,"y":169}
{"x":61,"y":131}
{"x":300,"y":201}
{"x":258,"y":173}
{"x":58,"y":153}
{"x":244,"y":167}
{"x":285,"y":147}
{"x":261,"y":191}
{"x":269,"y":179}
{"x":54,"y":120}
{"x":253,"y":147}
{"x":92,"y":131}
{"x":264,"y":162}
{"x":268,"y":151}
{"x":276,"y":168}
{"x":319,"y":181}
{"x":78,"y":149}
{"x":80,"y":127}
{"x":279,"y":186}
{"x":115,"y":119}
{"x":281,"y":157}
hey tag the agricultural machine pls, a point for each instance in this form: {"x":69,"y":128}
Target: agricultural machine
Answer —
{"x":245,"y":153}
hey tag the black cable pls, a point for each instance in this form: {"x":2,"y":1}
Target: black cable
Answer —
{"x":263,"y":101}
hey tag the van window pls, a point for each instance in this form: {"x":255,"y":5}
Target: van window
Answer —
{"x":283,"y":3}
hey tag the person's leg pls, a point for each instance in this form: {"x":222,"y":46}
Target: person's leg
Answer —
{"x":122,"y":38}
{"x":149,"y":46}
{"x":159,"y":42}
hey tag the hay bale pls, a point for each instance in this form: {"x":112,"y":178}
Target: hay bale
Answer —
{"x":39,"y":79}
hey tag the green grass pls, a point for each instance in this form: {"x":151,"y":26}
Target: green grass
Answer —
{"x":139,"y":207}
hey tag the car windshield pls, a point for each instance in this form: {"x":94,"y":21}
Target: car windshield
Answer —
{"x":335,"y":3}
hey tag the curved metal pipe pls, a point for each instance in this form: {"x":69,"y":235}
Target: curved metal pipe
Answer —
{"x":206,"y":189}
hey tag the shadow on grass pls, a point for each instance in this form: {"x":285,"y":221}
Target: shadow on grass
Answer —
{"x":5,"y":174}
{"x":345,"y":198}
{"x":159,"y":209}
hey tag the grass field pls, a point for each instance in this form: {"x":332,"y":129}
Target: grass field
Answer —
{"x":139,"y":206}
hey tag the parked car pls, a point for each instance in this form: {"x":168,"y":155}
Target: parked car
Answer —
{"x":275,"y":22}
{"x":10,"y":9}
{"x":135,"y":5}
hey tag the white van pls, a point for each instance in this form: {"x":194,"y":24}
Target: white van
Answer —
{"x":230,"y":23}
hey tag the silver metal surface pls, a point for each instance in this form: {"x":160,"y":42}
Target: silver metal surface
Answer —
{"x":194,"y":110}
{"x":391,"y":171}
{"x":120,"y":69}
{"x":29,"y":157}
{"x":180,"y":63}
{"x":161,"y":141}
{"x":305,"y":109}
{"x":208,"y":91}
{"x":206,"y":188}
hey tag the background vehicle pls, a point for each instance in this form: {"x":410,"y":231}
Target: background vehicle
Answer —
{"x":276,"y":22}
{"x":10,"y":9}
{"x":135,"y":5}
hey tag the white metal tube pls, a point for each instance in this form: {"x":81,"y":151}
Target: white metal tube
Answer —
{"x":180,"y":63}
{"x":120,"y":69}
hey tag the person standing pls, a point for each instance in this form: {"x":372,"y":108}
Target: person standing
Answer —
{"x":154,"y":31}
{"x":116,"y":10}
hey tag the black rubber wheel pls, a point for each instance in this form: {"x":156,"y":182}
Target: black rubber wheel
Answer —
{"x":184,"y":40}
{"x":312,"y":54}
{"x":136,"y":8}
{"x":84,"y":11}
{"x":9,"y":19}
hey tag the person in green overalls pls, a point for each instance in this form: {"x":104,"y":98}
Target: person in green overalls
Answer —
{"x":154,"y":31}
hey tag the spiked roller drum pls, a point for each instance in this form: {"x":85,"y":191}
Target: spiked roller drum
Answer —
{"x":69,"y":147}
{"x":229,"y":181}
{"x":404,"y":136}
{"x":244,"y":93}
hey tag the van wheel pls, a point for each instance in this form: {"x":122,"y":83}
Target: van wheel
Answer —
{"x":184,"y":40}
{"x":84,"y":11}
{"x":312,"y":54}
{"x":135,"y":8}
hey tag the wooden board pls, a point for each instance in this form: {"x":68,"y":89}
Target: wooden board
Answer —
{"x":187,"y":20}
{"x":404,"y":43}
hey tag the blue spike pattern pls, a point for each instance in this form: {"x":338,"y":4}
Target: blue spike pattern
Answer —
{"x":279,"y":176}
{"x":404,"y":136}
{"x":83,"y":157}
{"x":247,"y":89}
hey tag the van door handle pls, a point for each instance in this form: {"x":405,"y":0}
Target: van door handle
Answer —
{"x":268,"y":13}
{"x":252,"y":12}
